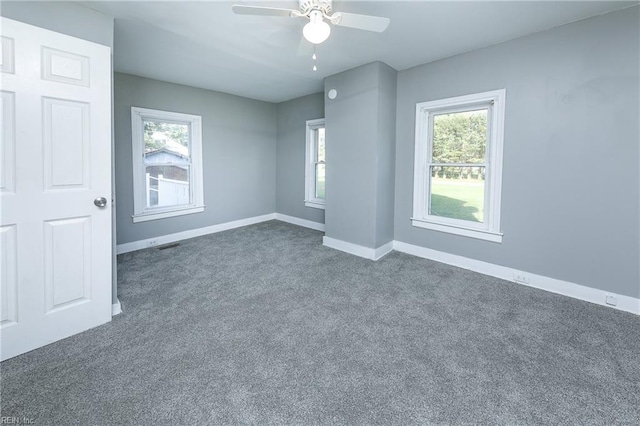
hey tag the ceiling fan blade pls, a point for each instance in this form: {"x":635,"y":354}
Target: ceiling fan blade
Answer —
{"x":361,"y":22}
{"x":263,"y":11}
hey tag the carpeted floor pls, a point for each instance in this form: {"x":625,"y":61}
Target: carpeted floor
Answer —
{"x":264,"y":325}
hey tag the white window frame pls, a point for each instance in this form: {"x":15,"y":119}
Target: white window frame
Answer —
{"x":141,"y":212}
{"x":310,"y":199}
{"x":490,"y":229}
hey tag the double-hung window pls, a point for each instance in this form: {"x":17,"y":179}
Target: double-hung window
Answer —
{"x":167,"y":164}
{"x":458,"y":165}
{"x":315,"y":164}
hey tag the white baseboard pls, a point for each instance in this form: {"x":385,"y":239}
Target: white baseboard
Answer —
{"x":192,"y":233}
{"x":358,"y":250}
{"x":300,"y":222}
{"x":116,"y":308}
{"x":576,"y":291}
{"x":382,"y":251}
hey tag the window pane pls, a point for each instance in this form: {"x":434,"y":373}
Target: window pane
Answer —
{"x":458,"y":193}
{"x":320,"y":169}
{"x":320,"y":136}
{"x":460,"y":137}
{"x":167,"y":186}
{"x":166,"y":141}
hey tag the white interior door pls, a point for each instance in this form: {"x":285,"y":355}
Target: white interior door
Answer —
{"x":55,"y":160}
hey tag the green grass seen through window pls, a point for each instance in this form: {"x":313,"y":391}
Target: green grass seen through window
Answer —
{"x":320,"y":188}
{"x":458,"y":199}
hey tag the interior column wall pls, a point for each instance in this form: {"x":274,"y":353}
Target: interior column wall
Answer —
{"x":360,"y":127}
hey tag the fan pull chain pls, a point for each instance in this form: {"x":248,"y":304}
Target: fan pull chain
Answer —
{"x":315,"y":59}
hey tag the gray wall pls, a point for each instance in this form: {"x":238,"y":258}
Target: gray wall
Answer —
{"x":64,"y":17}
{"x":571,"y":150}
{"x":239,"y":147}
{"x":359,"y":129}
{"x":291,"y":126}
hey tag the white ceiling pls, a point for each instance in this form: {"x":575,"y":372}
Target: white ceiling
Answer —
{"x":204,"y":44}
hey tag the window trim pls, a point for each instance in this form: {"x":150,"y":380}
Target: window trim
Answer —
{"x":489,"y":230}
{"x":141,"y":212}
{"x":310,"y":199}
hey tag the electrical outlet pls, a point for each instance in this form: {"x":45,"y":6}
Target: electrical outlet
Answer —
{"x":519,"y":277}
{"x":152,"y":243}
{"x":611,"y":300}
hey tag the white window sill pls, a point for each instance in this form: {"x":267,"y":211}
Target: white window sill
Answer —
{"x":495,"y":237}
{"x":143,"y":217}
{"x":314,"y":204}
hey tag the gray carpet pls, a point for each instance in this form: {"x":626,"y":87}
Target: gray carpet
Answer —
{"x":264,"y":325}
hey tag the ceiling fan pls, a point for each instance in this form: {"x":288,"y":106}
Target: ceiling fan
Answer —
{"x":317,"y":30}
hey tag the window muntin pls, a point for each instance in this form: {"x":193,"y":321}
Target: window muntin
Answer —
{"x":315,"y":175}
{"x":167,"y":166}
{"x":457,"y":180}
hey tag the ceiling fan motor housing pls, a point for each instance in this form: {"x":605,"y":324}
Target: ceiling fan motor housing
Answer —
{"x":306,"y":6}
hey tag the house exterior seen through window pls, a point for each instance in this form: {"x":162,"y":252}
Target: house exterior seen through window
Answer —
{"x":167,"y":164}
{"x":458,"y":165}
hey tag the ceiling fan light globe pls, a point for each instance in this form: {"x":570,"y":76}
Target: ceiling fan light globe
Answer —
{"x":316,"y":32}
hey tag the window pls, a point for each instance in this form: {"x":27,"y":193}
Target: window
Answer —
{"x":315,"y":166}
{"x":167,"y":164}
{"x":458,"y":165}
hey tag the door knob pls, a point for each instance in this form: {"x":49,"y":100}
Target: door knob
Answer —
{"x":100,"y":201}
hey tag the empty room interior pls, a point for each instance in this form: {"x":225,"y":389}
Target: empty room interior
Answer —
{"x":316,"y":212}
